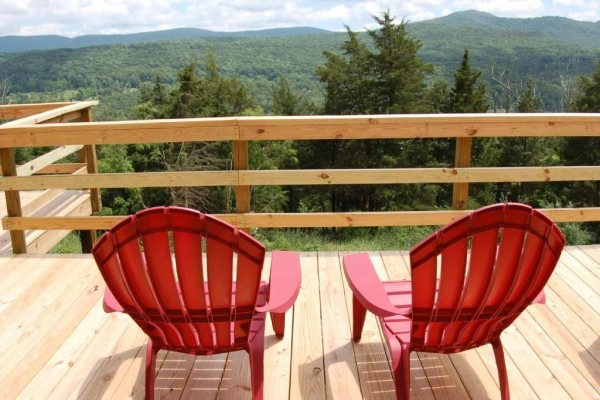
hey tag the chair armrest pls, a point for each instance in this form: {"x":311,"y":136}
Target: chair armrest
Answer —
{"x":284,"y":282}
{"x":368,"y":288}
{"x":110,"y":304}
{"x":540,"y":298}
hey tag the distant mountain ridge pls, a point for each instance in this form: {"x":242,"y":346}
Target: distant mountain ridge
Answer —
{"x":540,"y":49}
{"x":581,"y":33}
{"x":17,"y":44}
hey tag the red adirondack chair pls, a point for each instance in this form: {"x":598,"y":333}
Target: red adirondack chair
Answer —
{"x":154,"y":269}
{"x":469,"y":281}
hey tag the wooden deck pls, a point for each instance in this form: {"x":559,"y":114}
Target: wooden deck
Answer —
{"x":57,"y":343}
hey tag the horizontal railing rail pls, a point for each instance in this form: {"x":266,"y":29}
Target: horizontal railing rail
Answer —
{"x":240,"y":131}
{"x":18,"y":111}
{"x":303,"y":128}
{"x":31,"y":115}
{"x":302,"y":220}
{"x":304,"y":177}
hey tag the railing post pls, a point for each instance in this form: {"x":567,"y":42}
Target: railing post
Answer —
{"x":240,"y":163}
{"x":13,"y":200}
{"x":88,"y":155}
{"x":460,"y":192}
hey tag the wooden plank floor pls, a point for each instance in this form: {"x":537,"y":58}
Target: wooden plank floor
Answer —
{"x":57,"y":343}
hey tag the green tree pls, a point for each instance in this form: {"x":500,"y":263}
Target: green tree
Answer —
{"x":584,"y":150}
{"x":122,"y":201}
{"x":382,"y":76}
{"x":467,"y":96}
{"x":154,"y":101}
{"x":529,"y":100}
{"x":398,"y":72}
{"x":205,"y":93}
{"x":286,"y":101}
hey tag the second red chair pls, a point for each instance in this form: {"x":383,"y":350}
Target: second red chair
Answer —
{"x":469,"y":281}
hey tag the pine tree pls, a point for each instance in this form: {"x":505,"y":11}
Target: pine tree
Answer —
{"x":529,"y":100}
{"x":383,"y":76}
{"x":204,"y":93}
{"x":524,"y":151}
{"x":588,"y":98}
{"x":388,"y":79}
{"x":585,"y":150}
{"x":467,"y":96}
{"x":397,"y":72}
{"x":286,"y":101}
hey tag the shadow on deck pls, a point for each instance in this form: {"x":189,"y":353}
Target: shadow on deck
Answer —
{"x":57,"y":343}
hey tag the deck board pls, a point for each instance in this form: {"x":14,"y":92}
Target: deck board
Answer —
{"x":57,"y":343}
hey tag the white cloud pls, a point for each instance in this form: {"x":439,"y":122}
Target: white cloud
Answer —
{"x":586,"y":15}
{"x":76,"y":17}
{"x":570,"y":3}
{"x":13,"y":8}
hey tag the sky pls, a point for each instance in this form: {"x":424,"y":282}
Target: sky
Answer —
{"x":81,"y":17}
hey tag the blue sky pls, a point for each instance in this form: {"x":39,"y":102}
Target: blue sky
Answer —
{"x":79,"y":17}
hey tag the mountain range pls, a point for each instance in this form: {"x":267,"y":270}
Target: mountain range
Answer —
{"x":15,"y":44}
{"x":550,"y":51}
{"x":581,"y":33}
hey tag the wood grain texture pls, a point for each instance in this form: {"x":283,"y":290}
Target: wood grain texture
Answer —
{"x":58,"y":343}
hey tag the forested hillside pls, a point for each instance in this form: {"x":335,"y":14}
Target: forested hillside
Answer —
{"x":509,"y":53}
{"x":579,"y":33}
{"x":432,"y":67}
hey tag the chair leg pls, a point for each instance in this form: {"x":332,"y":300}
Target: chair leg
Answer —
{"x":256,"y":353}
{"x":359,"y":313}
{"x":278,"y":321}
{"x":501,"y":365}
{"x":401,"y":365}
{"x":151,"y":352}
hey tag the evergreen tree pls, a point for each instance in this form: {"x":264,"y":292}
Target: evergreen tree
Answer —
{"x":467,"y":96}
{"x":524,"y":151}
{"x":347,"y":78}
{"x":154,"y":101}
{"x":383,"y":76}
{"x":584,"y":150}
{"x":529,"y":100}
{"x":387,"y":79}
{"x":396,"y":70}
{"x":204,"y":94}
{"x":286,"y":101}
{"x":588,"y":97}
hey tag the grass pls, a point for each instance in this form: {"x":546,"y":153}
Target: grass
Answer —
{"x":71,"y":244}
{"x":345,"y":239}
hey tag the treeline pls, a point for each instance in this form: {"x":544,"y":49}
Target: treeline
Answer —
{"x":379,"y":73}
{"x":509,"y":52}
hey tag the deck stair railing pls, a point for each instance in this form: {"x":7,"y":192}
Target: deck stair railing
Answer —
{"x":47,"y":201}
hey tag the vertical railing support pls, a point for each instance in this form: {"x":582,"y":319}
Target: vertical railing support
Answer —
{"x":460,"y":192}
{"x":240,"y":163}
{"x":13,"y":200}
{"x":88,"y":155}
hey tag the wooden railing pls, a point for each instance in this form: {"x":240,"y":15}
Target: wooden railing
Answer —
{"x":29,"y":115}
{"x":243,"y":130}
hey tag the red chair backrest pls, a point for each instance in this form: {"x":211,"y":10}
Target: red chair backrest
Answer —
{"x":472,"y":278}
{"x":153,"y":264}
